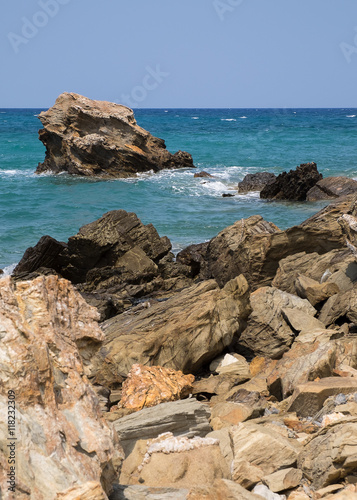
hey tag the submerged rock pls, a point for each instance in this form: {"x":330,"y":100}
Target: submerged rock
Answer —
{"x":293,"y":185}
{"x":100,"y":138}
{"x":255,"y":182}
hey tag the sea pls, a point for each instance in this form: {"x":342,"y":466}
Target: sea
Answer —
{"x":227,"y":143}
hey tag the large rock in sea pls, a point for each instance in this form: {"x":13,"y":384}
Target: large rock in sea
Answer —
{"x":293,"y":185}
{"x":100,"y":138}
{"x":48,"y":334}
{"x":255,"y":182}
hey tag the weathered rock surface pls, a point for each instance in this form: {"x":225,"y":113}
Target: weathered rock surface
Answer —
{"x":162,"y":335}
{"x":268,"y":333}
{"x":331,"y":455}
{"x":293,"y":185}
{"x":284,"y":479}
{"x":259,"y":451}
{"x":222,"y":489}
{"x":309,"y":398}
{"x":148,"y":386}
{"x":314,"y":291}
{"x":340,"y":305}
{"x":48,"y":334}
{"x":255,"y":182}
{"x":139,"y":492}
{"x":187,"y":417}
{"x":175,"y":461}
{"x":100,"y":138}
{"x":87,"y":491}
{"x":332,"y":187}
{"x":254,"y":247}
{"x":336,"y":266}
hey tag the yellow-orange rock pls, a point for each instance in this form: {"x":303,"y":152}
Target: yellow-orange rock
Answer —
{"x":150,"y":385}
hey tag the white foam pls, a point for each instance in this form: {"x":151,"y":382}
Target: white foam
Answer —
{"x":16,"y":173}
{"x":195,"y":117}
{"x":350,"y":116}
{"x":242,"y":117}
{"x":228,"y":120}
{"x":8,"y":270}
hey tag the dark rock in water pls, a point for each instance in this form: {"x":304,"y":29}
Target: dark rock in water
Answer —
{"x":293,"y":185}
{"x":332,"y":187}
{"x":227,"y":195}
{"x":99,"y":138}
{"x":203,"y":174}
{"x":44,"y":254}
{"x":255,"y":182}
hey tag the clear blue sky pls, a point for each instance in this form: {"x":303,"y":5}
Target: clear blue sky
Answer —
{"x":180,"y":53}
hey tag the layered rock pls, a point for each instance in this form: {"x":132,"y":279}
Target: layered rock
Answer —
{"x":293,"y":185}
{"x":331,"y":188}
{"x":48,"y":334}
{"x":149,"y":386}
{"x":100,"y":138}
{"x":163,"y":335}
{"x":269,"y":331}
{"x":255,"y":182}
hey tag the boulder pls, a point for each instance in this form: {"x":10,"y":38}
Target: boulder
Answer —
{"x":162,"y":335}
{"x":267,"y":332}
{"x":304,"y":362}
{"x":228,"y":414}
{"x":148,"y":386}
{"x":139,"y":492}
{"x":309,"y":398}
{"x":44,"y":254}
{"x":187,"y":417}
{"x":255,"y":182}
{"x":99,"y":138}
{"x":338,"y":306}
{"x":254,"y":247}
{"x":193,"y":257}
{"x":222,"y":489}
{"x":219,"y":384}
{"x":178,"y":462}
{"x":332,"y":187}
{"x":48,"y":335}
{"x":314,"y":291}
{"x":293,"y":185}
{"x":331,"y":455}
{"x":284,"y":479}
{"x":259,"y":451}
{"x":336,"y":266}
{"x":87,"y":491}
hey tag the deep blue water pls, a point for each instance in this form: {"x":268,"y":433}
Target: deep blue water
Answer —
{"x":228,"y":143}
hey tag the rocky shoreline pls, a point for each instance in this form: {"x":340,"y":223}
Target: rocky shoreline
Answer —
{"x":228,"y":372}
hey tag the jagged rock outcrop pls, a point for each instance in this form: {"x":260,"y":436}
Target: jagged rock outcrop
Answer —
{"x":254,"y":247}
{"x":100,"y":138}
{"x":331,"y":188}
{"x":48,"y":335}
{"x":293,"y":185}
{"x":255,"y":182}
{"x":113,"y":259}
{"x":184,"y":332}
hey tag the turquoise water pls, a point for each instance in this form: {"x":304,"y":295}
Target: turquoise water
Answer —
{"x":228,"y":143}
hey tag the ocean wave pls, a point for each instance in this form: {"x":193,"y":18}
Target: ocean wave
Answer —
{"x":8,"y":270}
{"x":228,"y":120}
{"x":242,"y":117}
{"x":16,"y":173}
{"x":350,"y":116}
{"x":195,"y":117}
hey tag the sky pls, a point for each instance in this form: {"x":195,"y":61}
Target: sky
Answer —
{"x":180,"y":53}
